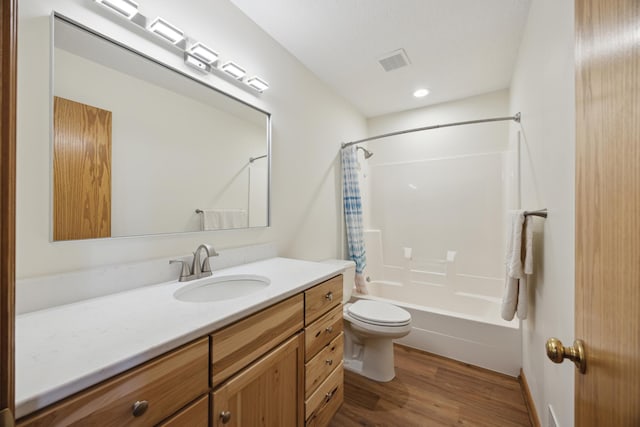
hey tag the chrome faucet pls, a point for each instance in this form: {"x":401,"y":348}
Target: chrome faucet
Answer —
{"x":198,"y":268}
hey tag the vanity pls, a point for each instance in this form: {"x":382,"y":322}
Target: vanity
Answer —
{"x":273,"y":357}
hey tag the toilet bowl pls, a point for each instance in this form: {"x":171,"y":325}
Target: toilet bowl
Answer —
{"x":369,"y":330}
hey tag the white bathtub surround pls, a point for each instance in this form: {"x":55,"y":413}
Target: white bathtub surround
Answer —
{"x":43,"y":292}
{"x":457,"y":325}
{"x":453,"y":314}
{"x":519,"y":263}
{"x":62,"y":350}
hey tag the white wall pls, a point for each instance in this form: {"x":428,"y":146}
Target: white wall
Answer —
{"x":442,"y":190}
{"x":543,"y":90}
{"x":309,"y":122}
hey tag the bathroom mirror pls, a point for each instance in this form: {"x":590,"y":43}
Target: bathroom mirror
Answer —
{"x":141,"y":148}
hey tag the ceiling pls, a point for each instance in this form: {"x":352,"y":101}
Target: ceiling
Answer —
{"x":457,"y":48}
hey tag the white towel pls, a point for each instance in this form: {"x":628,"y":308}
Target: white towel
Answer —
{"x":519,"y":248}
{"x":222,"y":219}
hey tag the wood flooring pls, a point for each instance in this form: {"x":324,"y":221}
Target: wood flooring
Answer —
{"x":430,"y":390}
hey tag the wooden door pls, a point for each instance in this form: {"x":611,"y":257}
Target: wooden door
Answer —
{"x":268,"y":393}
{"x":608,"y":211}
{"x":81,"y":171}
{"x":8,"y":49}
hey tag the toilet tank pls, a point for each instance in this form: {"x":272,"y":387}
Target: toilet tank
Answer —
{"x":348,"y":276}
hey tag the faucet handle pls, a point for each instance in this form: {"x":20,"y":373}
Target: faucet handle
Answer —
{"x":206,"y":266}
{"x":186,"y":270}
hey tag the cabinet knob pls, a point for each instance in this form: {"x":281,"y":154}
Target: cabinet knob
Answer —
{"x":140,"y":407}
{"x":329,"y":329}
{"x":329,"y":362}
{"x":329,"y":396}
{"x":225,"y":416}
{"x":329,"y":296}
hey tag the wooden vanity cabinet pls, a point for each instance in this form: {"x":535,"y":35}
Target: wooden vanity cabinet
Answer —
{"x":280,"y":367}
{"x":142,"y":396}
{"x":267,"y":393}
{"x":195,"y":414}
{"x":324,"y":346}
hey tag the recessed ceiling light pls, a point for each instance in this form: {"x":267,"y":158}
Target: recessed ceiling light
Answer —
{"x":421,"y":93}
{"x":258,"y":84}
{"x":127,"y":8}
{"x":233,"y":70}
{"x":203,"y":53}
{"x":167,"y":31}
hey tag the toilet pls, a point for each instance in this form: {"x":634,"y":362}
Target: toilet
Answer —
{"x":369,"y":329}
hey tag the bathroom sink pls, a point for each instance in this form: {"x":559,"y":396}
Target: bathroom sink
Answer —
{"x":221,"y":288}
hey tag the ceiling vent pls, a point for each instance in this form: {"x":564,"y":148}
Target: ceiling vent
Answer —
{"x":394,"y":60}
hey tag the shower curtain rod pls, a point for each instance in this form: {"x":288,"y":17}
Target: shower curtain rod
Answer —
{"x":515,"y":118}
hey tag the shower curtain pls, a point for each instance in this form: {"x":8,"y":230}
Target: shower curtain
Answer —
{"x":353,"y":214}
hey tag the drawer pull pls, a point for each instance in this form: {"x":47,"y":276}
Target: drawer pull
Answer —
{"x":329,"y":329}
{"x":329,"y":396}
{"x":225,"y":416}
{"x":329,"y":362}
{"x":329,"y":296}
{"x":140,"y":407}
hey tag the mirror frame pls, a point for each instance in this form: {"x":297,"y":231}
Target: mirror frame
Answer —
{"x":56,"y":15}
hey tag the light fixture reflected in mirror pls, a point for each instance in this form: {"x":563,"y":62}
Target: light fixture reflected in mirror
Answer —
{"x":126,"y":8}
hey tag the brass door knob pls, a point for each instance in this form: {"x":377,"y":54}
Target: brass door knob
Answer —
{"x":557,"y":353}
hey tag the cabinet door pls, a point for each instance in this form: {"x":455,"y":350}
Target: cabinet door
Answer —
{"x":268,"y":393}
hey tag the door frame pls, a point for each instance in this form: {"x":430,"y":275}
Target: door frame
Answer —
{"x":8,"y":78}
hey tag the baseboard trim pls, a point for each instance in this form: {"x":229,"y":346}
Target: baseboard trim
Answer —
{"x":528,"y":400}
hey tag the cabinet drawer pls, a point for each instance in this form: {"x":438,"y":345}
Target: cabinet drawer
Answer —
{"x":194,"y":415}
{"x":323,"y":404}
{"x":322,"y":332}
{"x":167,"y":384}
{"x":236,"y":346}
{"x":319,"y":368}
{"x":319,"y":299}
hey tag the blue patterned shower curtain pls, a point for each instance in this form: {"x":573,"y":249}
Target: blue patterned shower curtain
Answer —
{"x":353,"y":213}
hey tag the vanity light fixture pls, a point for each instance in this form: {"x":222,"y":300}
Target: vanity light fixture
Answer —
{"x":203,"y":53}
{"x":195,"y":63}
{"x":195,"y":54}
{"x":126,"y":8}
{"x":234,"y":70}
{"x":421,"y":93}
{"x":258,"y":84}
{"x":169,"y":32}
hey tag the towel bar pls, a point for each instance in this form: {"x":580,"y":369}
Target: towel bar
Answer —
{"x":541,"y":213}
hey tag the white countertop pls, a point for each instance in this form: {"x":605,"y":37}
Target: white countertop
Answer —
{"x":65,"y":349}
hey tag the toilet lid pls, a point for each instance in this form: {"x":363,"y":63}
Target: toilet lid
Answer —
{"x":379,"y":313}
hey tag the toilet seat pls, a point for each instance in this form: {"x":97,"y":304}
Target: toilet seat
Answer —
{"x":378,"y":313}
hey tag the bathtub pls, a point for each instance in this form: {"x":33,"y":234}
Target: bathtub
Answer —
{"x":461,"y":322}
